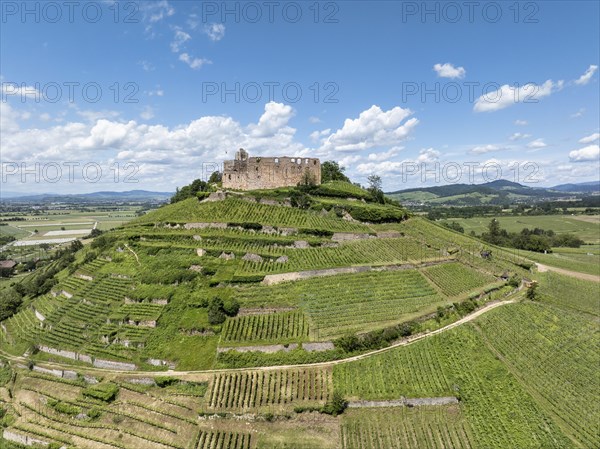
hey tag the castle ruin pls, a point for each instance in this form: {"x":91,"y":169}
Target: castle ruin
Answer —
{"x":252,"y":173}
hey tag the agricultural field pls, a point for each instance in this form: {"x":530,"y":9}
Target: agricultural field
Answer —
{"x":162,"y":300}
{"x":271,"y":390}
{"x":350,"y":303}
{"x":456,"y":278}
{"x":587,"y":228}
{"x":490,"y":366}
{"x":282,"y":327}
{"x":440,"y":427}
{"x":585,"y":259}
{"x":570,"y":293}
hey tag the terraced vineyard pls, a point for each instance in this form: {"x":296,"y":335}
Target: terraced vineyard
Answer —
{"x":276,"y":327}
{"x":223,"y":440}
{"x":455,"y":278}
{"x":560,"y":290}
{"x":352,"y":302}
{"x":155,"y":294}
{"x":406,"y":428}
{"x":551,"y":351}
{"x":498,"y":408}
{"x":255,"y":389}
{"x":239,"y":211}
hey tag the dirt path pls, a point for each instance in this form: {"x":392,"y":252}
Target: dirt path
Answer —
{"x":136,"y":256}
{"x":404,"y":342}
{"x":574,"y":274}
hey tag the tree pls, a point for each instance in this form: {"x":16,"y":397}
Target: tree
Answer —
{"x":336,"y":406}
{"x":375,"y":184}
{"x":10,"y":300}
{"x":215,"y":177}
{"x":216,"y":313}
{"x":331,"y":171}
{"x":531,"y":292}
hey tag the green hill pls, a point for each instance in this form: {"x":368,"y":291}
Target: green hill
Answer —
{"x":238,"y":281}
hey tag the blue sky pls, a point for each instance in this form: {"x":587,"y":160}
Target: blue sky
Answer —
{"x":513,"y":90}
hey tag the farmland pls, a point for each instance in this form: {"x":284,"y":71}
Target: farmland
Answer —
{"x":406,"y":428}
{"x":256,"y":290}
{"x":588,"y":230}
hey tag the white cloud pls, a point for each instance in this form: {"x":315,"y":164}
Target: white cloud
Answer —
{"x":156,"y":93}
{"x":589,"y":153}
{"x":45,"y":117}
{"x":215,"y":31}
{"x":519,"y":136}
{"x":521,"y":122}
{"x":447,"y":70}
{"x":180,"y":38}
{"x":147,"y":113}
{"x":155,"y":11}
{"x":313,"y":119}
{"x":587,"y":76}
{"x":194,"y":63}
{"x":537,"y":144}
{"x":147,"y":66}
{"x":591,"y":138}
{"x":385,"y":155}
{"x":578,"y":114}
{"x":274,"y":119}
{"x":508,"y":95}
{"x":372,"y":128}
{"x":482,"y":149}
{"x":315,"y":136}
{"x":428,"y":155}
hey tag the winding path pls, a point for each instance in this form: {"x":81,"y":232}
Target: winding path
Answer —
{"x":574,"y":274}
{"x":404,"y":342}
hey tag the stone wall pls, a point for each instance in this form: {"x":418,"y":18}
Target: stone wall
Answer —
{"x":251,"y":173}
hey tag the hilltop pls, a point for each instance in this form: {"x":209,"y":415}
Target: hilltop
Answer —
{"x":314,"y":282}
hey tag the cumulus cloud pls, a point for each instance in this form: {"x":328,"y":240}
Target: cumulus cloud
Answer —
{"x":147,"y":113}
{"x":372,"y":128}
{"x":215,"y":31}
{"x":587,"y":76}
{"x":521,"y":122}
{"x":156,"y":11}
{"x":384,"y":155}
{"x":194,"y":63}
{"x":537,"y":144}
{"x":316,"y":136}
{"x":447,"y":70}
{"x":507,"y":95}
{"x":591,"y":138}
{"x":275,"y":118}
{"x":482,"y":149}
{"x":180,"y":38}
{"x":519,"y":136}
{"x":589,"y":153}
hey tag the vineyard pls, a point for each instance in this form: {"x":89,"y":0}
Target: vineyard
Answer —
{"x":350,"y":303}
{"x":271,"y":327}
{"x":558,"y":289}
{"x":498,"y":408}
{"x":239,"y":211}
{"x":255,"y":389}
{"x":455,"y":278}
{"x":223,"y":440}
{"x":556,"y":354}
{"x":439,"y":427}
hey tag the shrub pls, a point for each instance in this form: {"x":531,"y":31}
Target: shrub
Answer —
{"x":216,"y":314}
{"x":165,"y":381}
{"x":105,"y":392}
{"x":336,"y":406}
{"x":231,"y":306}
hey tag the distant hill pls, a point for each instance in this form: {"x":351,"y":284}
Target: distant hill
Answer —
{"x":582,"y":187}
{"x":496,"y":192}
{"x":130,"y":195}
